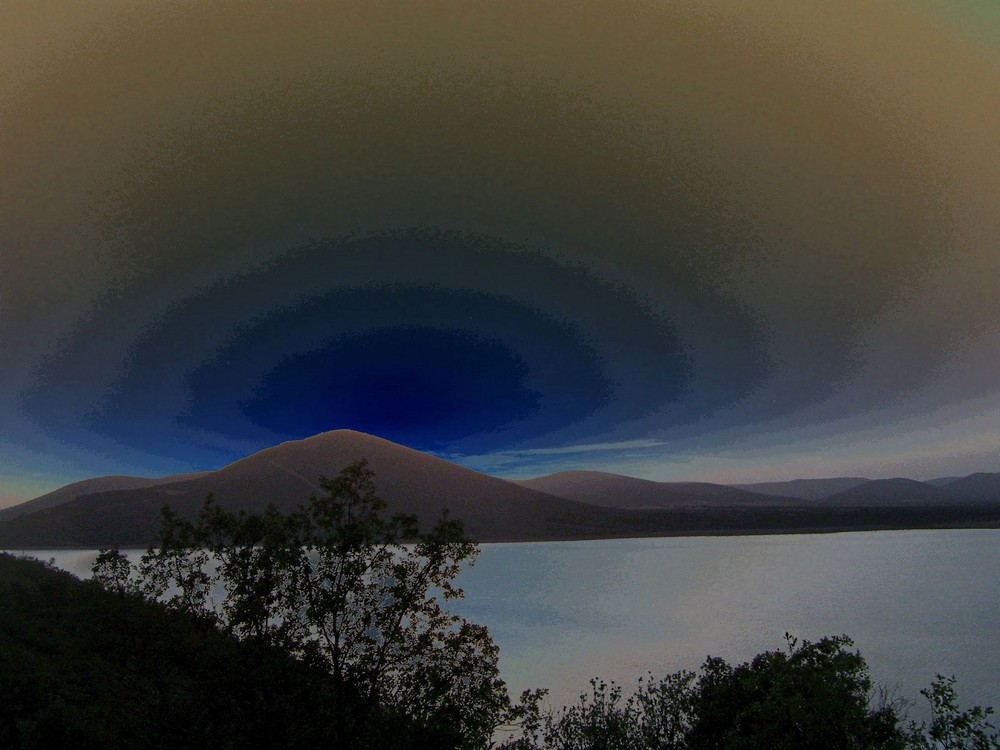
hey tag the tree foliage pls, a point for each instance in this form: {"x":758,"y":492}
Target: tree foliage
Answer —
{"x":812,"y":696}
{"x":657,"y":715}
{"x":951,"y":727}
{"x":85,"y":668}
{"x":341,"y":585}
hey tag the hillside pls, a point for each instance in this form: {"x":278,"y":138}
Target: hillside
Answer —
{"x":568,"y":505}
{"x":981,"y":487}
{"x":897,"y":491}
{"x":81,"y":667}
{"x":286,"y":475}
{"x":618,"y":491}
{"x":89,"y":487}
{"x":806,"y":489}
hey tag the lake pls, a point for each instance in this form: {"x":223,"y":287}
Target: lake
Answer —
{"x":916,"y":603}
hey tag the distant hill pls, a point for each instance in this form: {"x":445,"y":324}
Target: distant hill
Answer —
{"x":618,"y":491}
{"x":125,"y":511}
{"x":980,"y":487}
{"x":885,"y":492}
{"x":941,"y":481}
{"x":90,"y":487}
{"x":286,"y":475}
{"x":806,"y":489}
{"x":8,"y":500}
{"x":855,"y":492}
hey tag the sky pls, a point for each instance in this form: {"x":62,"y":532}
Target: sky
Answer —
{"x":680,"y":240}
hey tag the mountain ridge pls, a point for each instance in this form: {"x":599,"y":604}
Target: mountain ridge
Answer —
{"x":415,"y":483}
{"x":620,"y":491}
{"x":73,"y":490}
{"x":565,"y":505}
{"x":806,"y":489}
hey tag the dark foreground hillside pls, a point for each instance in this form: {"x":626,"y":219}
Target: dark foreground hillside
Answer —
{"x":84,"y":668}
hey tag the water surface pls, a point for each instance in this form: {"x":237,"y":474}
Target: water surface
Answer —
{"x":916,"y":603}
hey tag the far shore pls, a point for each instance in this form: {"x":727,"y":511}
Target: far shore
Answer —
{"x":686,"y":533}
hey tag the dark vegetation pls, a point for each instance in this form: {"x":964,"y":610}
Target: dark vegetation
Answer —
{"x":812,"y":696}
{"x":85,"y":668}
{"x":326,"y":627}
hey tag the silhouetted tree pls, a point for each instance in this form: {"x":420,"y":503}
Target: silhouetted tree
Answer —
{"x":952,"y":728}
{"x":341,"y":585}
{"x":814,"y":696}
{"x":657,"y":716}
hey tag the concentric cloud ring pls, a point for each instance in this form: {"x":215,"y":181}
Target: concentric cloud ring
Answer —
{"x":691,"y":223}
{"x":575,"y":349}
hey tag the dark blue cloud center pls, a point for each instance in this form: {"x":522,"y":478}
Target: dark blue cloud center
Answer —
{"x":419,"y":386}
{"x":432,"y":368}
{"x":441,"y":340}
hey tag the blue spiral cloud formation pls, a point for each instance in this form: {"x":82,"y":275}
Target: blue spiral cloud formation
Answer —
{"x":682,"y":240}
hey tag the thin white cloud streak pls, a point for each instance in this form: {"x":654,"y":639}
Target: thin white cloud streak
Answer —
{"x":956,"y":441}
{"x":623,"y":445}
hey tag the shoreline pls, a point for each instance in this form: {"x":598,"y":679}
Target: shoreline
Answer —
{"x":989,"y":525}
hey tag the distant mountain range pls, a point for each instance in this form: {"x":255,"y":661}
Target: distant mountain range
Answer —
{"x":973,"y":489}
{"x":124,"y":511}
{"x":617,"y":491}
{"x":91,"y":487}
{"x":805,"y":489}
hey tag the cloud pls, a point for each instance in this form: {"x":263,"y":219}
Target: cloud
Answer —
{"x":632,"y":235}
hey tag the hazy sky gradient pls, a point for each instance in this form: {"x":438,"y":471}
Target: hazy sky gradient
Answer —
{"x":681,"y":240}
